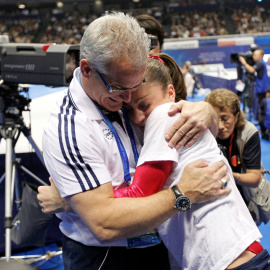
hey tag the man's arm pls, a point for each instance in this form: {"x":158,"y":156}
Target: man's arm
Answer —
{"x":110,"y":218}
{"x":249,"y":68}
{"x":194,"y":120}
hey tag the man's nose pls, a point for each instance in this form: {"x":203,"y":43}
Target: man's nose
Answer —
{"x":126,"y":96}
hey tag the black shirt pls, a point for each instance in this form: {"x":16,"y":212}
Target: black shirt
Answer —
{"x":251,"y":154}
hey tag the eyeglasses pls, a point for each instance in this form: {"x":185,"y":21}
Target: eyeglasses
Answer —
{"x":111,"y":90}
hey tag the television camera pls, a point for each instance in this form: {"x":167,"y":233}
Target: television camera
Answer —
{"x":43,"y":64}
{"x":249,"y":78}
{"x":246,"y":55}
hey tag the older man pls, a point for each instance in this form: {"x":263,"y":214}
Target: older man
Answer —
{"x":90,"y":148}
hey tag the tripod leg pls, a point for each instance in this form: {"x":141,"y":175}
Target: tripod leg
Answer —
{"x":27,"y":134}
{"x":33,"y":176}
{"x":15,"y":182}
{"x":8,"y":204}
{"x":2,"y":178}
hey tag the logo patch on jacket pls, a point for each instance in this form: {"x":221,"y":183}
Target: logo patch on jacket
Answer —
{"x":107,"y":133}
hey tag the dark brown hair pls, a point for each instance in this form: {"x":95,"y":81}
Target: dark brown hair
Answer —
{"x":152,"y":27}
{"x":170,"y":73}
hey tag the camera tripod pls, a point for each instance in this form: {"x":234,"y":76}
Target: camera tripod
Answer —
{"x":11,"y":132}
{"x":248,"y":98}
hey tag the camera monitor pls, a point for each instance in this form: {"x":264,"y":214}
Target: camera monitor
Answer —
{"x":33,"y":63}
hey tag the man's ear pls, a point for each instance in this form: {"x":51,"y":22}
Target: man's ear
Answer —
{"x":86,"y":68}
{"x":171,"y":93}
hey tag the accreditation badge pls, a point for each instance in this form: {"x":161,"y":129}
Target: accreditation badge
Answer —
{"x":148,"y":239}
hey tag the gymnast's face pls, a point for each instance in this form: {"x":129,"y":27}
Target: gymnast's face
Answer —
{"x":145,"y":100}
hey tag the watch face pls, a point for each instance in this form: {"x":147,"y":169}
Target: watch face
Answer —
{"x":182,"y":203}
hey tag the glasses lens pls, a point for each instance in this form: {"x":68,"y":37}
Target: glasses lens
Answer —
{"x":115,"y":89}
{"x":127,"y":89}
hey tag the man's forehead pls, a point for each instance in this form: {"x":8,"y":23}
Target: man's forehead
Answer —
{"x":125,"y":69}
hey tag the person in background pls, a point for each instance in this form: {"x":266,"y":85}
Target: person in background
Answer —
{"x":239,"y":139}
{"x":259,"y":69}
{"x":264,"y":115}
{"x":189,"y":81}
{"x":152,"y":27}
{"x":90,"y":148}
{"x":198,"y":84}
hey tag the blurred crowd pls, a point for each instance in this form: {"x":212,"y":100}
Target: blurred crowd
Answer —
{"x":254,"y":21}
{"x":66,"y":28}
{"x":20,"y":26}
{"x":197,"y":24}
{"x":62,"y":27}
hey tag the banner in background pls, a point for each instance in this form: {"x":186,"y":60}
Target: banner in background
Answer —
{"x":213,"y":51}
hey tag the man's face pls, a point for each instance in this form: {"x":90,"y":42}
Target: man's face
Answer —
{"x":257,"y":56}
{"x":121,"y":76}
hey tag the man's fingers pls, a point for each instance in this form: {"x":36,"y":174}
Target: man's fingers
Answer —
{"x":51,"y":181}
{"x":193,"y":138}
{"x":187,"y":134}
{"x":224,"y":181}
{"x":174,"y":134}
{"x":173,"y":110}
{"x":199,"y":164}
{"x":223,"y":192}
{"x":183,"y":132}
{"x":176,"y":107}
{"x":216,"y":166}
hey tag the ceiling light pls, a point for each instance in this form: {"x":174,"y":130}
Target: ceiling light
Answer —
{"x":21,"y":6}
{"x":59,"y":4}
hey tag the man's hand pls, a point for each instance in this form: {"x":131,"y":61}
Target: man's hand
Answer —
{"x":202,"y":183}
{"x":248,"y":67}
{"x":242,"y":60}
{"x":50,"y":199}
{"x":195,"y":118}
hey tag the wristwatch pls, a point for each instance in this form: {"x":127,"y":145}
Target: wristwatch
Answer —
{"x":182,"y":202}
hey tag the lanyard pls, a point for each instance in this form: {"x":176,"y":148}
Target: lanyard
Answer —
{"x":230,"y":146}
{"x":131,"y":136}
{"x":120,"y":145}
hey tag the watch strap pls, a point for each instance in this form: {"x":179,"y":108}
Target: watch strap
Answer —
{"x":176,"y":191}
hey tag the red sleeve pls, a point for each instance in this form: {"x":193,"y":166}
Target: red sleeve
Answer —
{"x":149,"y":178}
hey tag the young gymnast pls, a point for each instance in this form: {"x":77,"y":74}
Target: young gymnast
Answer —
{"x":216,"y":235}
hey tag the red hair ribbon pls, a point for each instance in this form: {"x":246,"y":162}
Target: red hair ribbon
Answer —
{"x":157,"y":58}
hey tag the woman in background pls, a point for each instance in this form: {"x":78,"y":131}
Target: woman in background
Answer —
{"x":239,"y":139}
